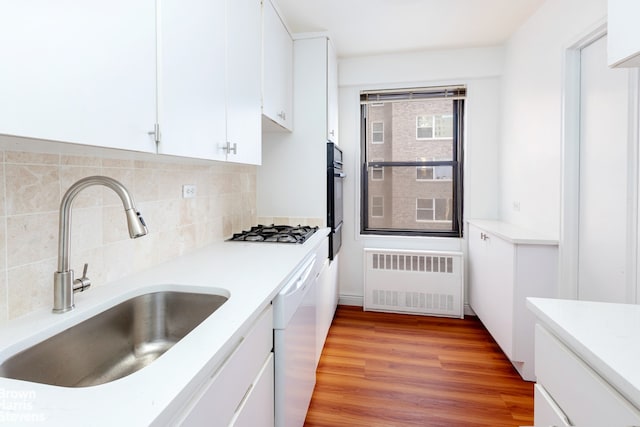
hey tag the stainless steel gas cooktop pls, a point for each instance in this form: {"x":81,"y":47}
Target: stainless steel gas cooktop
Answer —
{"x":275,"y":233}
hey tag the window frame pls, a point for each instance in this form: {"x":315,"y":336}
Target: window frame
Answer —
{"x":456,"y":164}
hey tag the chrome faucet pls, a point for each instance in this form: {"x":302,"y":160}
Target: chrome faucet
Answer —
{"x":64,"y":286}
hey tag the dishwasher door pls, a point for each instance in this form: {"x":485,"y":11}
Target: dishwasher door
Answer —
{"x":294,"y":350}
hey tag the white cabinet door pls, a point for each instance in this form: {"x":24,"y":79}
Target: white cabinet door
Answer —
{"x":81,"y":72}
{"x":244,"y":80}
{"x":191,"y":73}
{"x":491,"y":285}
{"x":257,"y":409}
{"x":324,"y":308}
{"x":332,"y":93}
{"x":546,"y":412}
{"x":624,"y":33}
{"x":277,"y":77}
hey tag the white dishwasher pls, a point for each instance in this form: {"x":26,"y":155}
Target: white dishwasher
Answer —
{"x":294,"y":340}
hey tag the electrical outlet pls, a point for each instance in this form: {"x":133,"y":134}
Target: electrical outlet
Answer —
{"x":516,"y":206}
{"x":188,"y":191}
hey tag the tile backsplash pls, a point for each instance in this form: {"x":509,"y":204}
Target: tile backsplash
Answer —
{"x":33,"y":183}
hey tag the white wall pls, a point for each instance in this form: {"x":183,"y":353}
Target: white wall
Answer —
{"x":530,"y":137}
{"x":480,"y":70}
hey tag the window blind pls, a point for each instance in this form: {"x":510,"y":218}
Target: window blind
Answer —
{"x":415,"y":94}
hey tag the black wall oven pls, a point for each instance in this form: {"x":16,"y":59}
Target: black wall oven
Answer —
{"x":335,"y":180}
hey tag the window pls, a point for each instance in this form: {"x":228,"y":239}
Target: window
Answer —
{"x":430,"y":173}
{"x":424,"y":210}
{"x":377,"y":174}
{"x":417,"y":185}
{"x":434,"y":126}
{"x":433,"y":210}
{"x":377,"y":206}
{"x":377,"y":133}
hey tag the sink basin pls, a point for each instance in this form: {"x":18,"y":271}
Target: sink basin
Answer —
{"x":114,"y":343}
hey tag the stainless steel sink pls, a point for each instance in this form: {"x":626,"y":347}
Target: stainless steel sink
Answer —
{"x":114,"y":343}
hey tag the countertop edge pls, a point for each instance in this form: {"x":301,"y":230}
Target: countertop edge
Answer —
{"x":513,"y":233}
{"x":589,"y":355}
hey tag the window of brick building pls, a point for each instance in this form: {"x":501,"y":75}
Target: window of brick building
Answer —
{"x":377,"y":206}
{"x":422,"y":130}
{"x":377,"y":133}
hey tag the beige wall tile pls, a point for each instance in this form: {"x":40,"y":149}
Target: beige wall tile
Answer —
{"x":31,"y":238}
{"x":3,"y":246}
{"x":86,"y":228}
{"x":114,"y":224}
{"x":118,"y":163}
{"x":30,"y":287}
{"x":2,"y":190}
{"x":94,"y":163}
{"x":4,"y":298}
{"x":32,"y":158}
{"x":31,"y":188}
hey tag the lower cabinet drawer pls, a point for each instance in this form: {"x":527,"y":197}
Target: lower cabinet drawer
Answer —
{"x":257,"y":409}
{"x":581,"y":394}
{"x":546,"y":412}
{"x":216,"y":404}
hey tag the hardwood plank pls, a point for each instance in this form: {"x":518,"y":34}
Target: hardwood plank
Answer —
{"x":388,"y":370}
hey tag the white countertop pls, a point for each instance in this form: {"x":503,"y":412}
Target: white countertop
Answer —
{"x":605,"y":335}
{"x":252,"y":273}
{"x":513,"y":233}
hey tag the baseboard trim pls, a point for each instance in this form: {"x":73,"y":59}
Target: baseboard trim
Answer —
{"x":356,"y":300}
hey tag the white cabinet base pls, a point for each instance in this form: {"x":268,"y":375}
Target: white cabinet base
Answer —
{"x":507,"y":265}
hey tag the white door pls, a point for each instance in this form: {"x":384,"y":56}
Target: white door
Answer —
{"x":604,"y":208}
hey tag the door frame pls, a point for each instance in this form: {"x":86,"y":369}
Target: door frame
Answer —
{"x":570,"y":175}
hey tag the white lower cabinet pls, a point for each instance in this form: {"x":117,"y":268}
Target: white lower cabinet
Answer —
{"x":570,"y":393}
{"x":327,"y":301}
{"x":546,"y":411}
{"x":257,"y":409}
{"x":241,"y":386}
{"x":506,"y":265}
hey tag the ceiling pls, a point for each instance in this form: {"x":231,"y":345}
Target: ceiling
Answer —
{"x":369,"y":27}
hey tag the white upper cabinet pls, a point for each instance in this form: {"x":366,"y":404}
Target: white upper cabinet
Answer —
{"x":209,"y":79}
{"x":277,"y":77}
{"x":623,"y":33}
{"x":191,"y":78}
{"x":244,"y":82}
{"x":83,"y":74}
{"x":332,"y":93}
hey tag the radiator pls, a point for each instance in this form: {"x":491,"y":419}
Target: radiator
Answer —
{"x":419,"y":282}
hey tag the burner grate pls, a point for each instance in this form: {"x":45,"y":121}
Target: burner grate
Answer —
{"x":275,"y":233}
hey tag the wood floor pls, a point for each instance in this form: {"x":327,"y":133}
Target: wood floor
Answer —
{"x":382,"y":369}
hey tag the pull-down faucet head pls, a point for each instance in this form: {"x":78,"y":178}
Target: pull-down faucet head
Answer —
{"x":64,"y":285}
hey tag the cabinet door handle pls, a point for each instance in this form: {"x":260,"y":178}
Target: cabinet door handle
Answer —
{"x":230,"y":148}
{"x":282,"y":115}
{"x":484,"y":236}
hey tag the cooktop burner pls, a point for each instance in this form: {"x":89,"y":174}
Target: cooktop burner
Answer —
{"x":276,"y":233}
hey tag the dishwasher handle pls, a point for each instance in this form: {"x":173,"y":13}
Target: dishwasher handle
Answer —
{"x":301,"y":280}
